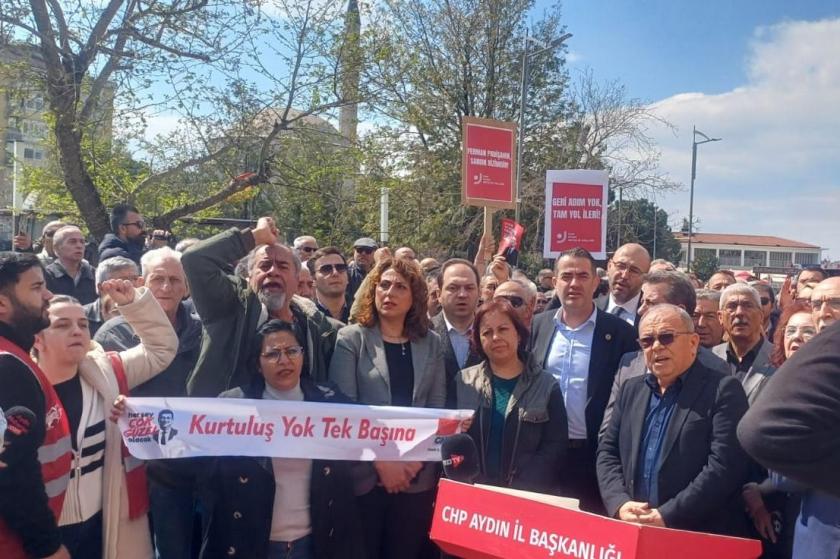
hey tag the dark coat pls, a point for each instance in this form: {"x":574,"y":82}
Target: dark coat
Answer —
{"x":230,"y":312}
{"x":61,"y":284}
{"x":612,"y":338}
{"x":449,"y":360}
{"x":701,"y":465}
{"x":535,"y":435}
{"x":241,"y":492}
{"x":792,"y":427}
{"x":112,"y":245}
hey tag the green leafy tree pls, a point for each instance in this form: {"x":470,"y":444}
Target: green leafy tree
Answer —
{"x":704,"y":266}
{"x":641,"y":221}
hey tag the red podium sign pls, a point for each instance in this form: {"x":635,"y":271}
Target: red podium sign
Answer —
{"x":488,"y":163}
{"x":477,"y":523}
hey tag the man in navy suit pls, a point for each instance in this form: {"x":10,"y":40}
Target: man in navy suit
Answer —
{"x":670,"y":457}
{"x":581,"y":346}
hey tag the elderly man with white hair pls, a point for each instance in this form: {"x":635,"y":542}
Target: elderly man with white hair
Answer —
{"x":103,"y":309}
{"x":70,"y":274}
{"x":521,"y":296}
{"x":171,"y":483}
{"x":305,"y":246}
{"x":747,"y":352}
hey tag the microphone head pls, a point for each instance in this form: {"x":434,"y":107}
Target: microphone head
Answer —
{"x":460,"y":458}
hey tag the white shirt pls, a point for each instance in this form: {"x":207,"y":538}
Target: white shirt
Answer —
{"x":629,"y":309}
{"x":568,"y":360}
{"x":460,"y":341}
{"x":290,"y":517}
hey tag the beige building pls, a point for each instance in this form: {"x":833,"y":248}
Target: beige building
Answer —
{"x":747,"y":252}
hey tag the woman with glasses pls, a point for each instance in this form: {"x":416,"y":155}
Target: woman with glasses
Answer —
{"x":272,"y":508}
{"x":389,"y":357}
{"x":794,"y":329}
{"x":520,"y":426}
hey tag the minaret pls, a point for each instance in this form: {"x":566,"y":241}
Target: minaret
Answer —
{"x":350,"y":68}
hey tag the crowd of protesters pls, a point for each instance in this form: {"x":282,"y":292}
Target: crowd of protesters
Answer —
{"x":620,"y":387}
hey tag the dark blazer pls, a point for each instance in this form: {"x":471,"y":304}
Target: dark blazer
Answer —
{"x":612,"y":338}
{"x":604,"y":302}
{"x":449,"y":361}
{"x":760,"y":371}
{"x":701,"y":465}
{"x":61,"y":284}
{"x":240,"y":494}
{"x":792,"y":428}
{"x":633,"y":365}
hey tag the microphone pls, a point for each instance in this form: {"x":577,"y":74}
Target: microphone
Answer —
{"x":460,"y":458}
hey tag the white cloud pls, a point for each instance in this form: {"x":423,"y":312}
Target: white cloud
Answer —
{"x":777,"y":170}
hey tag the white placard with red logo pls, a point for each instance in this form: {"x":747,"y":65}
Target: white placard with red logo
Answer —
{"x":155,"y":428}
{"x":576,"y":212}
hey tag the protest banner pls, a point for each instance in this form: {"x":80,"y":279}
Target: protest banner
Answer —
{"x":478,"y":522}
{"x":576,"y":212}
{"x":155,"y":428}
{"x":488,"y":168}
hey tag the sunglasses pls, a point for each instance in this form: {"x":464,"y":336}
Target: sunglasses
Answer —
{"x":275,"y":355}
{"x":364,"y":250}
{"x":327,"y":269}
{"x":765,"y":301}
{"x":665,"y":338}
{"x":141,"y":224}
{"x":307,"y":249}
{"x":514,"y":300}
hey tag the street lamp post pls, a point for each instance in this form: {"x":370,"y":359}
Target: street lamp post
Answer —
{"x":694,"y":144}
{"x":523,"y":97}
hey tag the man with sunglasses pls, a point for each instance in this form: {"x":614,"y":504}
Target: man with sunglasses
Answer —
{"x":305,"y":246}
{"x":520,"y":298}
{"x":128,"y":237}
{"x":747,"y":352}
{"x":329,"y":269}
{"x":363,"y":250}
{"x":669,"y":456}
{"x":660,"y":287}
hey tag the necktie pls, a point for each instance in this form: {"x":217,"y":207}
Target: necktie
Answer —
{"x":163,"y":437}
{"x":618,"y":311}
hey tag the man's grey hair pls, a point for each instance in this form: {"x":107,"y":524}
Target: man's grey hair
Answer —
{"x":669,"y":266}
{"x":298,"y":242}
{"x":739,"y":289}
{"x":108,"y":268}
{"x":61,"y":232}
{"x":680,"y":289}
{"x":668,"y":308}
{"x":705,"y":294}
{"x":249,"y":259}
{"x":529,"y":286}
{"x":155,"y":256}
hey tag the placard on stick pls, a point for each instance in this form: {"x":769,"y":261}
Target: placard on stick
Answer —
{"x":488,"y":169}
{"x":576,"y":212}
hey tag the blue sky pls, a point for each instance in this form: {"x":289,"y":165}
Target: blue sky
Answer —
{"x":765,"y":76}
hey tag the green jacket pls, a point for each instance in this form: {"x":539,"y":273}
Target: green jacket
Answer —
{"x":230,"y":312}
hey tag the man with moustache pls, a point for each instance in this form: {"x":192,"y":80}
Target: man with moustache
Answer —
{"x":128,"y":237}
{"x":37,"y":463}
{"x":825,"y":303}
{"x":70,"y":274}
{"x":625,"y":271}
{"x":747,"y":352}
{"x":232,"y":308}
{"x":706,"y":320}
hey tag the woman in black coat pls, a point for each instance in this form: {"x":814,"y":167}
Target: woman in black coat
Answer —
{"x":267,"y":508}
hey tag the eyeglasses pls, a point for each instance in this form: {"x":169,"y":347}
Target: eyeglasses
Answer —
{"x":806,"y":332}
{"x":624,"y":267}
{"x":274,"y":355}
{"x":308,"y":249}
{"x":140,"y":224}
{"x":364,"y":250}
{"x":327,"y":269}
{"x":514,"y":300}
{"x":832,"y":302}
{"x":664,"y":338}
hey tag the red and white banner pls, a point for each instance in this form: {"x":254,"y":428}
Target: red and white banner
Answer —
{"x":155,"y":428}
{"x":488,"y":166}
{"x":576,"y":212}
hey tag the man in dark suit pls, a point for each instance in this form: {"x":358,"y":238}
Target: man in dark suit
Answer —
{"x":625,"y":271}
{"x":165,"y":432}
{"x":669,"y":456}
{"x":458,"y":282}
{"x":581,"y":346}
{"x":660,"y":287}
